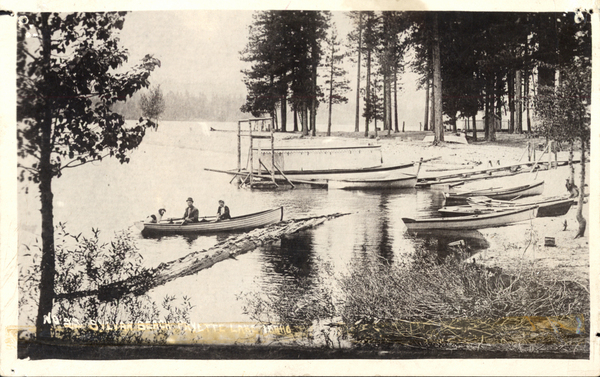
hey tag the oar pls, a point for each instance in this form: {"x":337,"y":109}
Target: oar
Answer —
{"x":472,"y":191}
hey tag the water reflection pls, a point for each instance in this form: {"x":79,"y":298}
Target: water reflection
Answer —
{"x":292,"y":259}
{"x":385,"y":240}
{"x":447,"y":242}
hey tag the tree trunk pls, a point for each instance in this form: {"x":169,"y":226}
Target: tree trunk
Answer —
{"x":295,"y":120}
{"x":330,"y":91}
{"x":304,"y":118}
{"x":437,"y":83}
{"x":313,"y":101}
{"x":474,"y":128}
{"x":396,"y":100}
{"x":426,"y":120}
{"x":526,"y":99}
{"x":519,"y":104}
{"x":200,"y":260}
{"x":368,"y":94}
{"x":580,"y":218}
{"x":47,"y":267}
{"x":571,"y":166}
{"x":388,"y":102}
{"x":511,"y":102}
{"x":283,"y":114}
{"x":357,"y":116}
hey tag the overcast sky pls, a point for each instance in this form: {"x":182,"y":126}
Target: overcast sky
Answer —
{"x":199,"y":52}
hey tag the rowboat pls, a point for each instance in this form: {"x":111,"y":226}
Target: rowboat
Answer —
{"x":238,"y":223}
{"x":406,"y":181}
{"x":548,"y":207}
{"x":473,"y":221}
{"x":460,"y":197}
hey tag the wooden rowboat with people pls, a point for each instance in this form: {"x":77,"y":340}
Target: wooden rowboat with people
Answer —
{"x":460,"y":197}
{"x":209,"y":224}
{"x":488,"y":220}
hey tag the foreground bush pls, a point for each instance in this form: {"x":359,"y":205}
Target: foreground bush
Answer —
{"x":424,"y":302}
{"x":82,"y":265}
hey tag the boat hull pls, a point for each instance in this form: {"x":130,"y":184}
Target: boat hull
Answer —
{"x":246,"y":222}
{"x":322,"y":176}
{"x":373,"y":184}
{"x":378,"y":172}
{"x":550,"y":207}
{"x":501,"y":194}
{"x":474,"y":221}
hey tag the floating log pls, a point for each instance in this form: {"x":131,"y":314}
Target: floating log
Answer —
{"x":200,"y":260}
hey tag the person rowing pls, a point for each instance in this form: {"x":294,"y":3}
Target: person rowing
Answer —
{"x":191,"y":213}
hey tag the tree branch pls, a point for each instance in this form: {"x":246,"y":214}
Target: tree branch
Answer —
{"x":68,"y":165}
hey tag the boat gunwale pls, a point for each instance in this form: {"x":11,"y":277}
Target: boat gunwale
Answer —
{"x":508,"y":191}
{"x":468,"y":218}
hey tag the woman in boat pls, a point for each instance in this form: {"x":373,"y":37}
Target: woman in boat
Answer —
{"x":191,"y":213}
{"x":223,"y":211}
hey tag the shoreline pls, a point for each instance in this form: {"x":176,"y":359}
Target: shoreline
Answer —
{"x":512,"y":247}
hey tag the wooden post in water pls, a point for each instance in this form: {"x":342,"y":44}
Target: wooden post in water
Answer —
{"x":403,"y":126}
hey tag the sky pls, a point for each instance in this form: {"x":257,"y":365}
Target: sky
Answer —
{"x":200,"y":52}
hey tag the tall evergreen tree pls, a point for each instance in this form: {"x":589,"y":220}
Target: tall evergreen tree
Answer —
{"x":355,"y":42}
{"x":337,"y":82}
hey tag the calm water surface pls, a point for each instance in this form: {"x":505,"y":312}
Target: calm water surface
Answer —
{"x":169,"y":167}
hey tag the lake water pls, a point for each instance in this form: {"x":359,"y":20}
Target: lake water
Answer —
{"x":169,"y":167}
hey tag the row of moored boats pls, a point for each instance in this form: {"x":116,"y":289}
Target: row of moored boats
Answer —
{"x":492,"y":207}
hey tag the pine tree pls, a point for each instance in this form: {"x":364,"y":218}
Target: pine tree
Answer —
{"x":337,"y":82}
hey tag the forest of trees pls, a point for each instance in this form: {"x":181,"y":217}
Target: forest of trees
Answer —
{"x":187,"y":107}
{"x":471,"y":64}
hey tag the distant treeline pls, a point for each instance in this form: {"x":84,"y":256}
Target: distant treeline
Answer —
{"x":188,"y":106}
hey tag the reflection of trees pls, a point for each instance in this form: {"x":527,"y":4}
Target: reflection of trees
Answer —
{"x":384,"y":245}
{"x":292,"y":260}
{"x":294,"y":292}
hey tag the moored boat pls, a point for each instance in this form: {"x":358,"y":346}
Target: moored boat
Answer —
{"x":460,"y":197}
{"x":548,"y":207}
{"x":378,"y":172}
{"x":473,"y":221}
{"x":406,"y":181}
{"x":238,"y":223}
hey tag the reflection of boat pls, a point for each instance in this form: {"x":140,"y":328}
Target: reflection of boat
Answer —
{"x":555,"y":206}
{"x":473,"y":239}
{"x":473,"y":221}
{"x":245,"y":222}
{"x":460,"y":197}
{"x":405,"y":181}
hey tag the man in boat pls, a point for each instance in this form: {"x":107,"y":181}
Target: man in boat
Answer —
{"x":223,"y":211}
{"x":191,"y":213}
